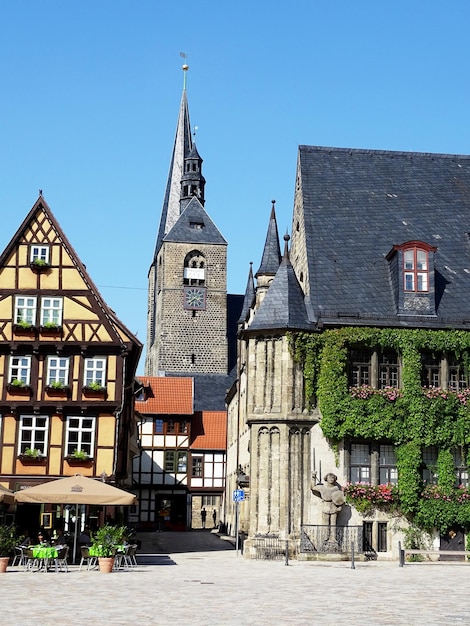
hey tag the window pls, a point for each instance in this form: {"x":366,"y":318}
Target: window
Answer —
{"x":360,"y":367}
{"x":460,"y":464}
{"x":415,"y":266}
{"x":95,"y":371}
{"x":33,"y":433}
{"x":80,"y":435}
{"x":430,"y":370}
{"x":210,"y":500}
{"x":57,"y":370}
{"x":388,"y":369}
{"x":360,"y":463}
{"x":25,"y":310}
{"x":51,"y":311}
{"x":170,"y":426}
{"x":194,"y":268}
{"x":175,"y":461}
{"x":388,"y":472}
{"x":382,"y":537}
{"x":20,"y":369}
{"x":196,"y":471}
{"x":458,"y":379}
{"x":39,"y":253}
{"x":430,"y":465}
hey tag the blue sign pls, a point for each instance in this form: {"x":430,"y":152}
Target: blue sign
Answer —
{"x":238,"y":495}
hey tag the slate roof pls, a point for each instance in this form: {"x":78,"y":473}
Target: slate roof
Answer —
{"x":249,"y":298}
{"x":209,"y":431}
{"x":182,"y":146}
{"x":209,"y":390}
{"x":272,"y":252}
{"x":185,"y":231}
{"x":168,"y":395}
{"x":283,"y":305}
{"x":358,"y":204}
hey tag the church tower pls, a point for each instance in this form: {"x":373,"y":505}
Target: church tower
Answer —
{"x":187,"y":288}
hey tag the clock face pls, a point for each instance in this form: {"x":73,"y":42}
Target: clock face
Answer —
{"x":194,"y":298}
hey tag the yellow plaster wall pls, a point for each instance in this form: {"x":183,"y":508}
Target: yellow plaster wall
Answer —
{"x":8,"y":459}
{"x":27,"y":279}
{"x":55,"y":460}
{"x":104,"y":462}
{"x":73,"y":310}
{"x":106,"y":430}
{"x":57,"y":429}
{"x":9,"y":429}
{"x":6,"y":306}
{"x":71,"y":279}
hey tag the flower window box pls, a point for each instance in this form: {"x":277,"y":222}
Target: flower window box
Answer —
{"x":38,"y":266}
{"x":52,"y":390}
{"x":17,"y":389}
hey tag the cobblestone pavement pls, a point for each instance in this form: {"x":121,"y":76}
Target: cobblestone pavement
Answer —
{"x":218,"y":587}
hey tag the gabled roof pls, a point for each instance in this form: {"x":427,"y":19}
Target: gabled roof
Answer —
{"x":166,"y":396}
{"x":283,"y":305}
{"x":272,"y":252}
{"x":209,"y":431}
{"x":195,"y":226}
{"x":41,"y":224}
{"x":358,"y":204}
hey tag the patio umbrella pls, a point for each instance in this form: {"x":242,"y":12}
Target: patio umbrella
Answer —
{"x":6,"y":495}
{"x":76,"y":490}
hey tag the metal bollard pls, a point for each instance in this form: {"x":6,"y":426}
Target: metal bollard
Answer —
{"x":352,"y":555}
{"x":287,"y":552}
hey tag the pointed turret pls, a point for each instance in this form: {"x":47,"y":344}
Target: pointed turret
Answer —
{"x":181,"y":149}
{"x":272,"y":251}
{"x":283,"y":305}
{"x":192,"y":181}
{"x":270,"y":260}
{"x":249,"y":298}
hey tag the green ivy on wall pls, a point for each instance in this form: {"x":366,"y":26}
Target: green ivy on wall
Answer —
{"x":411,"y":420}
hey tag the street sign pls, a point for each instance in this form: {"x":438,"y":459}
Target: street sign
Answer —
{"x":238,"y":495}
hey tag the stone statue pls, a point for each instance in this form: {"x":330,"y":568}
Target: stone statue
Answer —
{"x":332,"y":501}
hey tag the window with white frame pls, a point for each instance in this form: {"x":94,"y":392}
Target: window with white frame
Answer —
{"x":25,"y":310}
{"x":51,"y":311}
{"x":197,"y":466}
{"x":95,"y":371}
{"x":388,"y":472}
{"x":360,"y":463}
{"x":20,"y":369}
{"x":57,"y":370}
{"x":80,"y":435}
{"x":39,"y":253}
{"x":33,"y":433}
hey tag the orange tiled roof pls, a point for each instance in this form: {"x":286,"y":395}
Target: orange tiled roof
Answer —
{"x":168,"y":395}
{"x":213,"y":432}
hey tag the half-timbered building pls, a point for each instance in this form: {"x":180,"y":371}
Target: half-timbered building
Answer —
{"x":67,"y":367}
{"x":181,"y":468}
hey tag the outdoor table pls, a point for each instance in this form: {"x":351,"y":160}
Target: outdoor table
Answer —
{"x":45,"y":554}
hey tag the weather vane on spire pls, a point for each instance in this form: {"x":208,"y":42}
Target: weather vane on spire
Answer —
{"x":185,"y":67}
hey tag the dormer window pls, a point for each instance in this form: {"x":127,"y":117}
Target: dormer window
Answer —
{"x":415,"y":268}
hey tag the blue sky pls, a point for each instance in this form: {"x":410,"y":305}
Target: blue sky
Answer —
{"x":90,"y":91}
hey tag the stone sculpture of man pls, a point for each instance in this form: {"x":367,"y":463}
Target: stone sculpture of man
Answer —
{"x":332,"y":501}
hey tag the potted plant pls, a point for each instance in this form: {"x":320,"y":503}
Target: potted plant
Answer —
{"x":78,"y":457}
{"x":22,"y":325}
{"x":94,"y":388}
{"x":57,"y":387}
{"x":104,"y":543}
{"x":32,"y":455}
{"x":9,"y":539}
{"x":51,"y":327}
{"x":39,"y":265}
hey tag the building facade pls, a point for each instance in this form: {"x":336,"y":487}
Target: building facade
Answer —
{"x":67,"y":367}
{"x":353,"y":360}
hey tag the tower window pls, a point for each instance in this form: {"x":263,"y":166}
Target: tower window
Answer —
{"x":194,"y":268}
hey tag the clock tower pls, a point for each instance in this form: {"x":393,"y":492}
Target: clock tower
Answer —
{"x":187,"y":288}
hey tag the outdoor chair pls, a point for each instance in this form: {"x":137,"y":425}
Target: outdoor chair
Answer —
{"x":61,"y":560}
{"x":19,"y":558}
{"x":91,"y":561}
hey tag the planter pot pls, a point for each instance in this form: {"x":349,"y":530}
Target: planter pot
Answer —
{"x":106,"y":564}
{"x":32,"y":460}
{"x":4,"y":563}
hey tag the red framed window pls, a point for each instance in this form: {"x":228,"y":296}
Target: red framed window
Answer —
{"x":416,"y":270}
